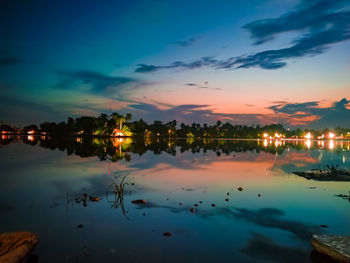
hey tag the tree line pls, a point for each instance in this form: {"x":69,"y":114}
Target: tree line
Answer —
{"x":117,"y":124}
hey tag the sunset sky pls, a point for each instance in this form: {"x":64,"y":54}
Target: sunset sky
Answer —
{"x":247,"y":62}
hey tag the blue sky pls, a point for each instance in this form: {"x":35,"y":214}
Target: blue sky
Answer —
{"x":246,"y":62}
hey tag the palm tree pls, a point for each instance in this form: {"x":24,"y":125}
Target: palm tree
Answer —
{"x":128,"y":117}
{"x":118,"y":118}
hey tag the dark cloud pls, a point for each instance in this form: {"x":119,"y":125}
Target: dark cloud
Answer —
{"x":187,"y":42}
{"x":100,"y":83}
{"x":315,"y":16}
{"x":4,"y":61}
{"x":336,"y":115}
{"x":204,"y":61}
{"x":22,"y":110}
{"x":188,"y":112}
{"x":309,"y":114}
{"x":321,"y":23}
{"x":201,"y":87}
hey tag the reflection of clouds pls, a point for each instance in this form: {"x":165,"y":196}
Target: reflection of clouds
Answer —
{"x":266,"y":217}
{"x":271,"y":217}
{"x":263,"y":247}
{"x":292,"y":160}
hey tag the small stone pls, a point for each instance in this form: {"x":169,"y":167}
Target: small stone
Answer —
{"x":226,"y":199}
{"x":94,"y":198}
{"x":180,"y":203}
{"x":132,"y":183}
{"x":144,"y":214}
{"x":228,"y":193}
{"x":192,"y":210}
{"x":195,"y":204}
{"x":167,"y":234}
{"x":80,"y":226}
{"x":324,"y":226}
{"x":240,"y":189}
{"x":259,"y":195}
{"x":139,"y":201}
{"x":213,"y":205}
{"x":201,"y":202}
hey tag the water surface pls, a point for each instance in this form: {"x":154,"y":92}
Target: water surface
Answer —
{"x":43,"y":182}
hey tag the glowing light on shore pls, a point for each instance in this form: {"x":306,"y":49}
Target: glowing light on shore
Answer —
{"x":31,"y":132}
{"x":308,"y":136}
{"x":277,"y":135}
{"x":265,"y":135}
{"x":331,"y":135}
{"x":30,"y":138}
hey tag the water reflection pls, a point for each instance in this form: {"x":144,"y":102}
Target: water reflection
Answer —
{"x":272,"y":217}
{"x":120,"y":148}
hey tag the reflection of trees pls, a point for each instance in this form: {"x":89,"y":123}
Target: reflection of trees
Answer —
{"x":121,"y":148}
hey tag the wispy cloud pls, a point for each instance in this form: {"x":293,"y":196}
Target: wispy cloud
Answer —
{"x":205,"y":61}
{"x":98,"y":83}
{"x":320,"y":24}
{"x":201,"y":87}
{"x":187,"y":42}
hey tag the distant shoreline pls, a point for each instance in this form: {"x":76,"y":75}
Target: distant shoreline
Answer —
{"x":175,"y":138}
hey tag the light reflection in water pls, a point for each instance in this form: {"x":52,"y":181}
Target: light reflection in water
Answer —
{"x":308,"y":144}
{"x":265,"y":142}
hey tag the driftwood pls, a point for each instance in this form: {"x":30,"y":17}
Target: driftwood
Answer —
{"x":16,"y":247}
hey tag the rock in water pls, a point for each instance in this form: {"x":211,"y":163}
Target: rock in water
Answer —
{"x":336,"y":247}
{"x":139,"y":201}
{"x":16,"y":247}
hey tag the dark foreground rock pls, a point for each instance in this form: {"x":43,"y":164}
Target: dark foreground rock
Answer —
{"x":16,"y":247}
{"x":325,"y":175}
{"x":336,"y":247}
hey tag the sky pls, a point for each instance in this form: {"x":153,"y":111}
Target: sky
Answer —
{"x":246,"y":62}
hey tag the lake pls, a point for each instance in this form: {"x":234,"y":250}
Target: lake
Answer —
{"x":167,"y":200}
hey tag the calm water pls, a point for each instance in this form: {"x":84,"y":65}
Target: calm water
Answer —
{"x":42,"y":187}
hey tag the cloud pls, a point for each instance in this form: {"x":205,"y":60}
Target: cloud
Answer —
{"x":314,"y":16}
{"x":320,"y":24}
{"x":201,"y":87}
{"x":204,"y":61}
{"x":20,"y":111}
{"x":187,"y":42}
{"x":4,"y":61}
{"x":336,"y":115}
{"x":99,"y":84}
{"x":306,"y":114}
